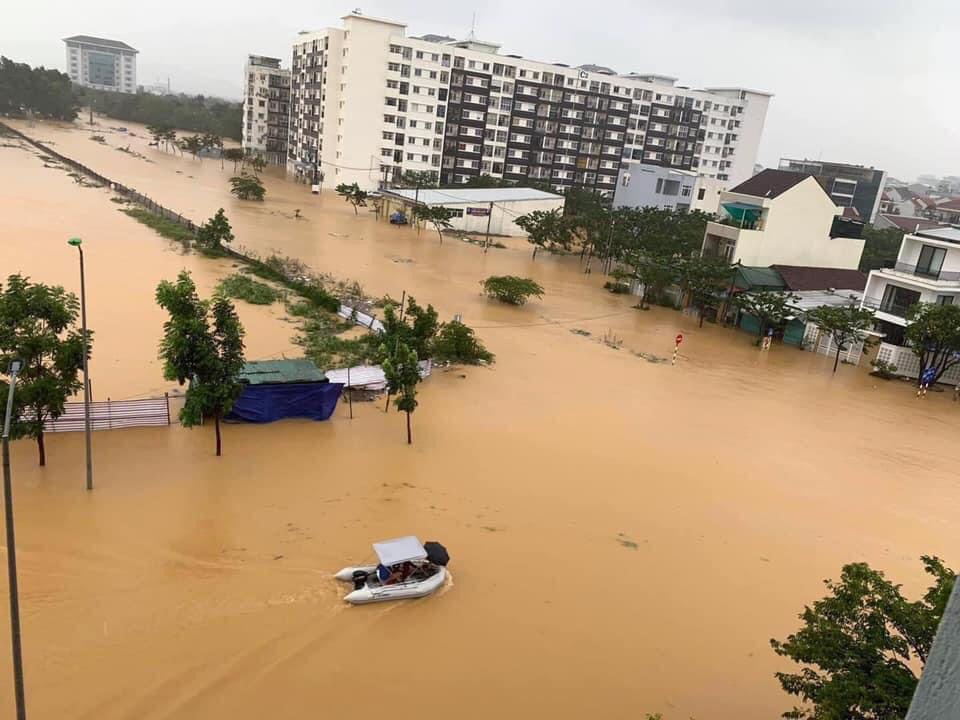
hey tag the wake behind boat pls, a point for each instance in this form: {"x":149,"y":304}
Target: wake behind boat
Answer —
{"x":407,"y":569}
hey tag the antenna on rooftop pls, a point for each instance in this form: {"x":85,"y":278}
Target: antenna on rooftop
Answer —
{"x":473,"y":27}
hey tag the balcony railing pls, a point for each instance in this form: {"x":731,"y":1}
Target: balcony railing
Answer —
{"x":942,"y":276}
{"x":890,"y":307}
{"x":742,"y":225}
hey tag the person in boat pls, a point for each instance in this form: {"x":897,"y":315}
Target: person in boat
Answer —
{"x":395,"y":573}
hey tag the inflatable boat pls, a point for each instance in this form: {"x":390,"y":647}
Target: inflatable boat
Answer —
{"x":407,"y":570}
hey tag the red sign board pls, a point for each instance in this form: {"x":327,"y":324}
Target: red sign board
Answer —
{"x":679,"y":338}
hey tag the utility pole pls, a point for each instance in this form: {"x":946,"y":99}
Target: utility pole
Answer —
{"x":76,"y":242}
{"x":486,"y":243}
{"x":21,"y":703}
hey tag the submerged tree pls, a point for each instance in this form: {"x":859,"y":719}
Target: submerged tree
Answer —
{"x":214,"y":232}
{"x":934,"y":335}
{"x":209,"y":358}
{"x":456,"y":343}
{"x":438,"y":216}
{"x":704,"y":279}
{"x":845,"y":325}
{"x":247,"y":187}
{"x":353,"y":195}
{"x":769,"y":307}
{"x":234,"y":155}
{"x":38,"y":328}
{"x":402,"y":372}
{"x":547,"y":229}
{"x":511,"y":289}
{"x":858,"y":646}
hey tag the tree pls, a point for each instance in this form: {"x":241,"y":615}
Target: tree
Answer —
{"x":37,"y":91}
{"x":38,"y":328}
{"x":353,"y":195}
{"x":235,"y":155}
{"x":170,"y":139}
{"x":857,"y":645}
{"x":212,"y":141}
{"x":158,"y":133}
{"x":704,"y":279}
{"x":247,"y":187}
{"x":511,"y":289}
{"x":769,"y":307}
{"x":423,"y":328}
{"x":546,"y":229}
{"x":403,"y":373}
{"x":192,"y":144}
{"x":419,"y":179}
{"x":438,"y":216}
{"x":655,"y":272}
{"x":845,"y":325}
{"x":933,"y":334}
{"x":456,"y":343}
{"x":880,"y":248}
{"x":214,"y":232}
{"x":209,"y":358}
{"x":258,"y":163}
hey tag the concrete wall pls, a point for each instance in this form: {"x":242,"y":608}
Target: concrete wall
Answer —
{"x":642,"y":188}
{"x":501,"y":219}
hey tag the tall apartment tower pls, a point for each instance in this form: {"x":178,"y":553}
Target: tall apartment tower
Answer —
{"x":266,"y":108}
{"x":101,"y":64}
{"x":368,"y":103}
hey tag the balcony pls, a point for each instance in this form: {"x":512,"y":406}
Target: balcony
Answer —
{"x":950,"y":276}
{"x":890,"y":306}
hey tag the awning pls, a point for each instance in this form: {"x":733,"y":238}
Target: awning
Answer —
{"x":398,"y":550}
{"x":743,"y":212}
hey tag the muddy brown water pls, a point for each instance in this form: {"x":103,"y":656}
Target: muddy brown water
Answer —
{"x":626,"y":535}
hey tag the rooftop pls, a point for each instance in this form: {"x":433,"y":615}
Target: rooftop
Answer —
{"x":810,"y":299}
{"x":264,"y":372}
{"x":801,"y":278}
{"x":769,"y":183}
{"x":911,"y":224}
{"x":102,"y":42}
{"x":450,"y":196}
{"x":947,"y":234}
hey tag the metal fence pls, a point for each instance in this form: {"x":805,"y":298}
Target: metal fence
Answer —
{"x":118,"y":188}
{"x":113,"y":414}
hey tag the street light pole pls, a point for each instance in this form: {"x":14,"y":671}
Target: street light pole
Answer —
{"x":76,"y":242}
{"x":12,"y":552}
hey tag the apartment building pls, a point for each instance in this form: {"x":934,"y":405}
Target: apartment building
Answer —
{"x":368,"y":103}
{"x":849,"y":186}
{"x":783,"y":218}
{"x":266,"y":108}
{"x":101,"y":64}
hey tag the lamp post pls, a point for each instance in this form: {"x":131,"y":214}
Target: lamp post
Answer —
{"x":77,"y":242}
{"x":12,"y":552}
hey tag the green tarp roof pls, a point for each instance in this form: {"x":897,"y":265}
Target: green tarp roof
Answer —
{"x":738,"y":211}
{"x":759,"y":278}
{"x":281,"y":371}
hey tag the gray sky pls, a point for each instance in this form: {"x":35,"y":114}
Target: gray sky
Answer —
{"x":863,"y":81}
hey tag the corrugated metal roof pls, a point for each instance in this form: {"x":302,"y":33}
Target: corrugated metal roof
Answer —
{"x":949,"y":234}
{"x":261,"y":372}
{"x":453,"y":196}
{"x":103,"y":42}
{"x":810,"y":299}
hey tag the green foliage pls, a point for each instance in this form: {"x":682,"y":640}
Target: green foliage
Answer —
{"x":881,"y":247}
{"x":192,"y":144}
{"x":214,"y":232}
{"x":547,"y":229}
{"x":41,"y":92}
{"x":769,"y":307}
{"x":202,"y":344}
{"x":166,"y":228}
{"x":258,"y":163}
{"x":293,"y":275}
{"x":844,"y":324}
{"x":456,"y":343}
{"x":247,"y":187}
{"x":884,"y":369}
{"x":353,"y":195}
{"x":438,"y":216}
{"x":244,"y":287}
{"x":858,"y":644}
{"x":402,"y":373}
{"x":419,"y":178}
{"x":197,"y":114}
{"x":934,"y":335}
{"x":511,"y":289}
{"x":38,"y":328}
{"x":234,"y":155}
{"x":423,"y":328}
{"x":705,"y":279}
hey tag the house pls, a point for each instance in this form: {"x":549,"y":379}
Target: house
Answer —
{"x":476,"y":210}
{"x":783,"y":217}
{"x":277,"y":389}
{"x":927,"y":270}
{"x":947,"y":211}
{"x":906,"y":223}
{"x":641,"y":185}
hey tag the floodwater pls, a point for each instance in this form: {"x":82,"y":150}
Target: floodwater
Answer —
{"x":626,"y":535}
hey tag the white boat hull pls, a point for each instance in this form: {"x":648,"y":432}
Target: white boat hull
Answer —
{"x":373,"y":591}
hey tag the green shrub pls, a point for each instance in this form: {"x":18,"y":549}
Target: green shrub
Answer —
{"x":167,"y":228}
{"x":511,"y":289}
{"x":244,"y":287}
{"x":456,"y":343}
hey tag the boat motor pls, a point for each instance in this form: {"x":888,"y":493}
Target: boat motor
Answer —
{"x":359,"y":579}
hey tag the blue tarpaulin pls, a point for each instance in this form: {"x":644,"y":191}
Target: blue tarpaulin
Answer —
{"x":268,"y":402}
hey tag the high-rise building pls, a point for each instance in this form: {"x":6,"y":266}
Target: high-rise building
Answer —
{"x":101,"y":64}
{"x":849,"y":186}
{"x":368,"y":103}
{"x":266,"y":108}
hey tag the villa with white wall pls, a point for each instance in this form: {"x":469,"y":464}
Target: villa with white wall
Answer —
{"x":779,"y":217}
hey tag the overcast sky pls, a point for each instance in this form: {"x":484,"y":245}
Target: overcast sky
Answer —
{"x":861,"y":81}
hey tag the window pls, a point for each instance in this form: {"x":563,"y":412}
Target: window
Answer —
{"x":931,"y":261}
{"x":701,"y":193}
{"x":944,"y":299}
{"x":897,"y":300}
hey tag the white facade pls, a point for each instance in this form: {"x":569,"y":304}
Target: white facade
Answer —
{"x":927,"y":270}
{"x":642,"y":185}
{"x":266,"y":108}
{"x":789,"y":228}
{"x":101,"y":64}
{"x":474,"y":208}
{"x":368,"y":102}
